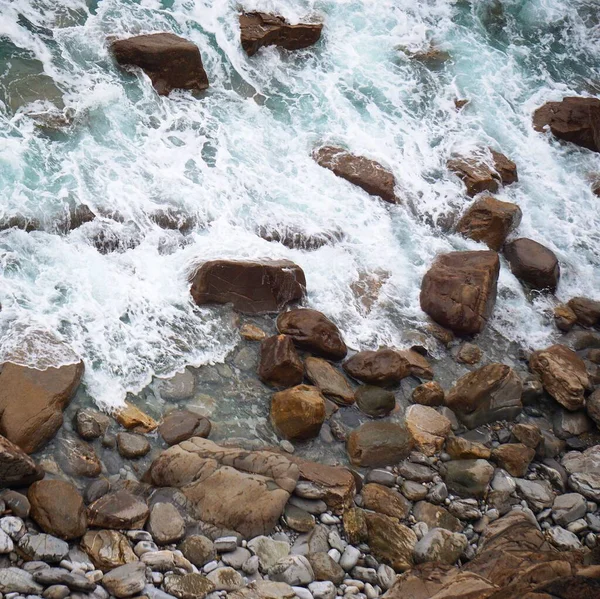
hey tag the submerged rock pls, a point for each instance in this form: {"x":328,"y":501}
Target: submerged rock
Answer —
{"x":329,"y":381}
{"x":375,"y":401}
{"x":379,"y":444}
{"x":298,"y":413}
{"x":180,"y":425}
{"x":132,"y":418}
{"x":384,"y":367}
{"x":280,"y":364}
{"x":533,"y":264}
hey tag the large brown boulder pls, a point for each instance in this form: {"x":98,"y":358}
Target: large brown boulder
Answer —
{"x":490,"y":393}
{"x":385,"y":367}
{"x":253,"y":287}
{"x":366,"y":174}
{"x":32,"y":402}
{"x":563,"y":375}
{"x":533,"y":264}
{"x":459,"y":290}
{"x":490,"y":221}
{"x":313,"y":331}
{"x":17,"y":469}
{"x":229,"y":487}
{"x":260,"y":29}
{"x":572,"y":119}
{"x":170,"y":61}
{"x":280,"y":364}
{"x":121,"y":511}
{"x":298,"y":413}
{"x":587,"y":311}
{"x":393,"y":543}
{"x":375,"y":444}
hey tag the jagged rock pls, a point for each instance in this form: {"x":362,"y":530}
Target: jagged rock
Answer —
{"x":367,"y":174}
{"x":564,"y":317}
{"x":253,"y":287}
{"x":385,"y":501}
{"x":459,"y":290}
{"x":170,"y":61}
{"x":329,"y":381}
{"x":528,"y":434}
{"x":384,"y":367}
{"x":587,"y":311}
{"x":440,"y":545}
{"x":120,"y":510}
{"x":514,"y":458}
{"x":379,"y":444}
{"x":533,"y":264}
{"x":132,"y":418}
{"x":181,"y":425}
{"x":298,"y":413}
{"x":17,"y":469}
{"x":429,"y":394}
{"x":280,"y":364}
{"x":91,"y":424}
{"x":375,"y":401}
{"x":391,"y":542}
{"x":468,"y":478}
{"x":428,"y":427}
{"x":108,"y":549}
{"x":436,"y":516}
{"x":459,"y":448}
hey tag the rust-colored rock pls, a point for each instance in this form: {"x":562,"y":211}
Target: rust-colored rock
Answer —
{"x":459,"y":290}
{"x":564,"y":317}
{"x":385,"y":501}
{"x":32,"y":402}
{"x":418,"y":365}
{"x":459,"y":448}
{"x":170,"y":61}
{"x":367,"y":174}
{"x":391,"y":542}
{"x":280,"y":364}
{"x":514,"y":458}
{"x":330,"y":381}
{"x":490,"y":221}
{"x":17,"y":469}
{"x":586,"y":310}
{"x":298,"y":413}
{"x":482,"y":173}
{"x":533,"y":264}
{"x":505,"y":167}
{"x":428,"y":427}
{"x":260,"y":29}
{"x":379,"y":444}
{"x":132,"y":418}
{"x":385,"y":367}
{"x":253,"y":287}
{"x":314,"y":332}
{"x":572,"y":119}
{"x":429,"y":394}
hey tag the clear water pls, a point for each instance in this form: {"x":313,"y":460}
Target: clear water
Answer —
{"x":238,"y":159}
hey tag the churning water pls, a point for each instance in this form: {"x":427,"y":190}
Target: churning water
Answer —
{"x":236,"y":162}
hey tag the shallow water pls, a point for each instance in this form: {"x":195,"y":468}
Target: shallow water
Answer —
{"x":237,"y":160}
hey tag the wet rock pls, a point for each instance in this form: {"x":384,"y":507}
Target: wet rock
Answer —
{"x":573,"y":119}
{"x":91,"y":424}
{"x":459,"y":290}
{"x":418,"y":365}
{"x":468,"y":478}
{"x":78,"y":458}
{"x":298,"y":413}
{"x":15,"y":580}
{"x":251,"y":332}
{"x":429,"y":394}
{"x":165,"y":524}
{"x":280,"y":364}
{"x":384,"y":367}
{"x":586,"y":310}
{"x":43,"y":547}
{"x":58,"y":508}
{"x":385,"y":501}
{"x":490,"y":393}
{"x":96,"y":489}
{"x":564,"y":317}
{"x":108,"y":549}
{"x":120,"y":510}
{"x":131,"y":445}
{"x":533,"y":264}
{"x":329,"y":381}
{"x":294,"y":570}
{"x":440,"y":545}
{"x":367,"y":174}
{"x":132,"y":418}
{"x":563,"y":375}
{"x":375,"y":401}
{"x":468,"y":353}
{"x":459,"y":448}
{"x":428,"y":428}
{"x":32,"y":402}
{"x":125,"y":581}
{"x":199,"y":550}
{"x":261,"y":29}
{"x":379,"y":444}
{"x":324,"y":568}
{"x":391,"y":542}
{"x":514,"y":458}
{"x":253,"y":287}
{"x":170,"y":61}
{"x":538,"y":494}
{"x":479,"y":173}
{"x":490,"y":221}
{"x":181,"y":425}
{"x":17,"y":469}
{"x":179,"y":387}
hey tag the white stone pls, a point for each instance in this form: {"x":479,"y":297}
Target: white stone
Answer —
{"x":12,"y":526}
{"x":349,"y":558}
{"x":294,"y":570}
{"x":386,"y":576}
{"x":302,"y":593}
{"x":336,"y":542}
{"x":322,"y":590}
{"x":503,"y":481}
{"x":335,"y":555}
{"x":6,"y":544}
{"x":562,"y":538}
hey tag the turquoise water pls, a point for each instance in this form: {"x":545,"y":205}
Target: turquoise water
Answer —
{"x":237,"y":160}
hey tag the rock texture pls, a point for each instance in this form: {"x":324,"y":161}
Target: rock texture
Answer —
{"x":120,"y":511}
{"x":459,"y":290}
{"x":280,"y":364}
{"x":170,"y":61}
{"x":379,"y":444}
{"x":428,"y":428}
{"x":17,"y":469}
{"x":298,"y":413}
{"x":329,"y":381}
{"x":108,"y":549}
{"x":384,"y":367}
{"x":533,"y":264}
{"x":587,"y":311}
{"x":253,"y":287}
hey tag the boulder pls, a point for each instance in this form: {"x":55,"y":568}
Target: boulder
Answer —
{"x":198,"y":549}
{"x":564,"y":317}
{"x":314,"y":332}
{"x":120,"y":510}
{"x":32,"y":402}
{"x":440,"y":545}
{"x":436,"y":516}
{"x":391,"y":542}
{"x":375,"y":444}
{"x":428,"y":428}
{"x":459,"y":290}
{"x":239,"y":490}
{"x":506,"y":168}
{"x":125,"y":581}
{"x":78,"y":458}
{"x":384,"y":500}
{"x":280,"y":364}
{"x":587,"y":311}
{"x":468,"y":478}
{"x":533,"y":264}
{"x":459,"y":448}
{"x":429,"y":394}
{"x":170,"y":61}
{"x":563,"y":375}
{"x":17,"y":469}
{"x":384,"y":367}
{"x":572,"y":119}
{"x":253,"y":287}
{"x":485,"y":395}
{"x":108,"y":549}
{"x":329,"y":381}
{"x":298,"y":413}
{"x":181,"y":425}
{"x":418,"y":365}
{"x":514,"y":458}
{"x":490,"y":221}
{"x":367,"y":174}
{"x":58,"y":508}
{"x":375,"y":401}
{"x":261,"y":29}
{"x":165,"y":524}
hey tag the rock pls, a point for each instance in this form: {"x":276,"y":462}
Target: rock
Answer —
{"x":468,"y":353}
{"x":15,"y":580}
{"x":170,"y":61}
{"x":384,"y":367}
{"x":91,"y":424}
{"x":367,"y":174}
{"x":385,"y":501}
{"x":414,"y":491}
{"x":514,"y":458}
{"x":179,"y":387}
{"x":435,"y":516}
{"x":132,"y":418}
{"x":417,"y":472}
{"x":125,"y":581}
{"x":324,"y":568}
{"x":131,"y":445}
{"x":120,"y":510}
{"x":268,"y":551}
{"x":322,"y":590}
{"x":280,"y":364}
{"x":165,"y":524}
{"x":418,"y":365}
{"x":237,"y":558}
{"x":32,"y":402}
{"x":57,"y":591}
{"x":440,"y":545}
{"x":253,"y":287}
{"x":298,"y":519}
{"x":350,"y":557}
{"x":563,"y":375}
{"x":571,"y":424}
{"x":587,"y":311}
{"x":265,"y":589}
{"x":75,"y":582}
{"x":490,"y":393}
{"x":538,"y":494}
{"x":314,"y":332}
{"x":58,"y":508}
{"x":298,"y":413}
{"x":225,"y":579}
{"x":564,"y":317}
{"x":586,"y":483}
{"x":293,"y":570}
{"x":375,"y":401}
{"x":592,"y":406}
{"x":466,"y":509}
{"x":261,"y":29}
{"x":528,"y":434}
{"x":251,"y":332}
{"x":391,"y":542}
{"x":429,"y":394}
{"x":428,"y":428}
{"x":188,"y":586}
{"x":573,"y":119}
{"x":459,"y":290}
{"x":6,"y":544}
{"x":329,"y":381}
{"x":376,"y":444}
{"x":43,"y":547}
{"x":17,"y":469}
{"x":459,"y":448}
{"x":563,"y":539}
{"x":533,"y":264}
{"x":181,"y":425}
{"x":78,"y":458}
{"x":214,"y":478}
{"x":108,"y":549}
{"x":568,"y":507}
{"x":199,"y":550}
{"x":490,"y":221}
{"x":468,"y":478}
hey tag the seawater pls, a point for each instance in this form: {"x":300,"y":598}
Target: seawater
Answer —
{"x":238,"y":159}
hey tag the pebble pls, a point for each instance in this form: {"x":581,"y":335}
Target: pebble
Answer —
{"x":13,"y":527}
{"x":386,"y":576}
{"x":302,"y":593}
{"x":349,"y":558}
{"x":365,"y":574}
{"x":144,"y":547}
{"x":312,"y":506}
{"x":225,"y":544}
{"x":336,"y":542}
{"x":335,"y":555}
{"x":322,"y":590}
{"x":210,"y":566}
{"x":236,"y":558}
{"x":370,"y":591}
{"x":381,"y":477}
{"x":329,"y":519}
